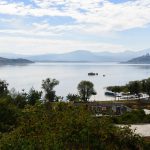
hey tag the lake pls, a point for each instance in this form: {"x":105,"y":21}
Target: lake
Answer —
{"x":70,"y":74}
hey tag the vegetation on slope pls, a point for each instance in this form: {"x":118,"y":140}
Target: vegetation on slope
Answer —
{"x":27,"y":122}
{"x":145,"y":59}
{"x":6,"y":61}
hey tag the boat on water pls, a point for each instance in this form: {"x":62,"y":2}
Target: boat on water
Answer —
{"x":112,"y":94}
{"x":124,"y":96}
{"x":92,"y":74}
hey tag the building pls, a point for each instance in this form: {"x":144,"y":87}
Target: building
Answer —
{"x":105,"y":108}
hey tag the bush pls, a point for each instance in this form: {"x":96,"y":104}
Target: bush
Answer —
{"x":63,"y":126}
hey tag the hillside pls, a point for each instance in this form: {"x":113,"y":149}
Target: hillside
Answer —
{"x":88,"y":56}
{"x":145,"y":59}
{"x":80,"y":56}
{"x":6,"y":61}
{"x":76,"y":56}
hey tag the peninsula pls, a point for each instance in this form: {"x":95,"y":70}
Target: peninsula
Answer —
{"x":6,"y":61}
{"x":145,"y":59}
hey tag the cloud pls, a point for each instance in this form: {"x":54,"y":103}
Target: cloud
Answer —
{"x":87,"y":18}
{"x":96,"y":16}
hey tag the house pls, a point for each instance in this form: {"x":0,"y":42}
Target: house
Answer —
{"x":105,"y":108}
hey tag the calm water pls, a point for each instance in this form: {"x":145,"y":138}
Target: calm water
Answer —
{"x":70,"y":74}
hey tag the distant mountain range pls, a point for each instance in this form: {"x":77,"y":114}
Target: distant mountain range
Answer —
{"x":6,"y":61}
{"x":145,"y":59}
{"x":81,"y":56}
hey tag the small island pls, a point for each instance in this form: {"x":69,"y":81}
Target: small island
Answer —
{"x":6,"y":61}
{"x":145,"y":59}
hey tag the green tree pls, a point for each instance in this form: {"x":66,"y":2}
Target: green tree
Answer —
{"x":147,"y":86}
{"x":135,"y":116}
{"x":8,"y":116}
{"x":144,"y":86}
{"x":33,"y":96}
{"x":3,"y":88}
{"x":135,"y":87}
{"x":67,"y":127}
{"x":73,"y":97}
{"x":115,"y":88}
{"x":48,"y":86}
{"x":18,"y":98}
{"x":20,"y":101}
{"x":86,"y":90}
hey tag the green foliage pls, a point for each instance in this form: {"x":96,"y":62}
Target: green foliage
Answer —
{"x":28,"y":124}
{"x":134,"y":87}
{"x":33,"y":96}
{"x":48,"y":86}
{"x":8,"y":116}
{"x":73,"y":97}
{"x":20,"y":100}
{"x":62,"y":126}
{"x":135,"y":116}
{"x":147,"y":86}
{"x":144,"y":86}
{"x":3,"y":88}
{"x":86,"y":90}
{"x":115,"y":88}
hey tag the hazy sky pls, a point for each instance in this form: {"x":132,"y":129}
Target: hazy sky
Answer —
{"x":57,"y":26}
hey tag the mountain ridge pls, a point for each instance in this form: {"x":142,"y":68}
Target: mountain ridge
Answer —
{"x":145,"y":59}
{"x":82,"y":55}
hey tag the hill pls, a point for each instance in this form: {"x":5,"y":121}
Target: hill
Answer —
{"x":145,"y":59}
{"x":76,"y":56}
{"x":88,"y":56}
{"x":6,"y":61}
{"x":81,"y":56}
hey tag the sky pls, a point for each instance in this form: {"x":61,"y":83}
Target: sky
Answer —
{"x":60,"y":26}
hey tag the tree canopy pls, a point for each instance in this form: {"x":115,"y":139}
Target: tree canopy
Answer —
{"x":62,"y":126}
{"x":27,"y":123}
{"x":3,"y":88}
{"x":48,"y":86}
{"x":86,"y":90}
